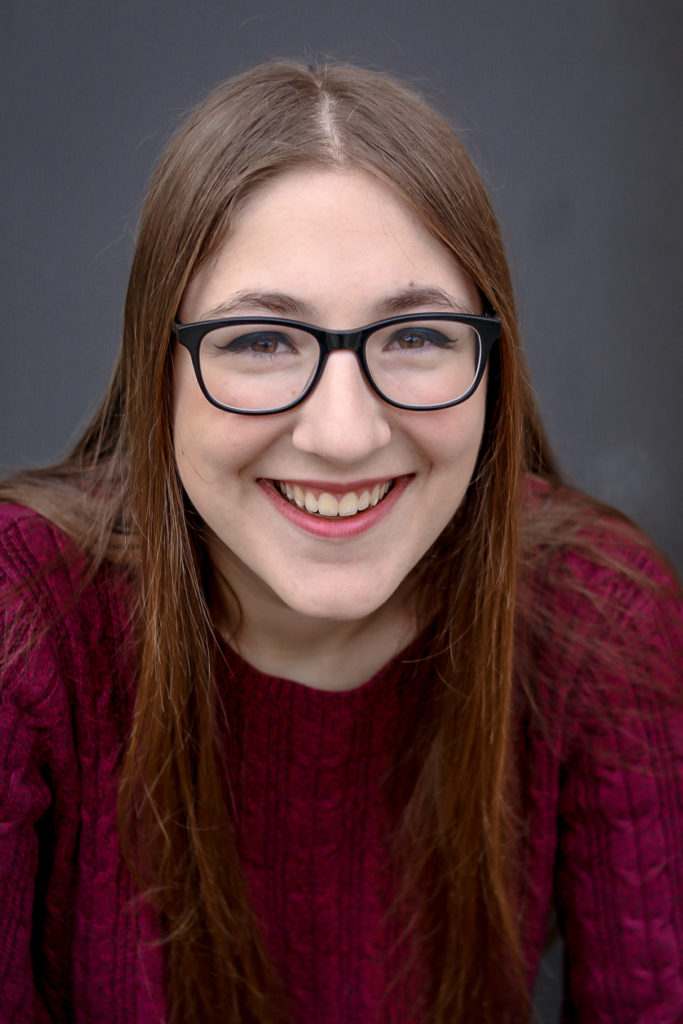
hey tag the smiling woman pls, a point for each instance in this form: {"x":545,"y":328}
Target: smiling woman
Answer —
{"x":322,"y":694}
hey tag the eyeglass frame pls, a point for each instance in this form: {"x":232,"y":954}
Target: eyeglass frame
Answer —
{"x":488,"y":329}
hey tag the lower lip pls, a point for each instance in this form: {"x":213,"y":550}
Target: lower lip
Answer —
{"x":338,"y":527}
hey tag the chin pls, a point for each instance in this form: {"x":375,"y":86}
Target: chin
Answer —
{"x":336,"y":610}
{"x":348,"y":606}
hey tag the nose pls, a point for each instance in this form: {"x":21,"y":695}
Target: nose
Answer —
{"x":342,"y":420}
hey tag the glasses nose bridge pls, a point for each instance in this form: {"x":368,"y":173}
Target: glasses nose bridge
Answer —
{"x":336,"y":341}
{"x":341,"y":341}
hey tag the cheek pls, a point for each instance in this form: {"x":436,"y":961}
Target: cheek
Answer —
{"x":212,"y":446}
{"x":451,"y":438}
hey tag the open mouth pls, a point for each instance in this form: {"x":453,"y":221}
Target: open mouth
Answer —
{"x":322,"y":503}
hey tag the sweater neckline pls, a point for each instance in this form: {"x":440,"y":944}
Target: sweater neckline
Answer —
{"x":256,"y":686}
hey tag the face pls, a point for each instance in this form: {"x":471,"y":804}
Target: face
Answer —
{"x":338,"y":250}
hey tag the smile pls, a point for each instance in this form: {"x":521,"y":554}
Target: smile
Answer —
{"x":322,"y":503}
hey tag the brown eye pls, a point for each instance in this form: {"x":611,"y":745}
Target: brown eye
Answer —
{"x":417,"y":338}
{"x":412,"y":340}
{"x":266,"y":343}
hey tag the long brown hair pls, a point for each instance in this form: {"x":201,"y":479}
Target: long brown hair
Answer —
{"x":457,"y":829}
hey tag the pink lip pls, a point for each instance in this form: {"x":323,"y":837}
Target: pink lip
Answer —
{"x":340,"y":527}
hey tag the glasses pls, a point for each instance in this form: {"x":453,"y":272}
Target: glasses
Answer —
{"x":261,"y":365}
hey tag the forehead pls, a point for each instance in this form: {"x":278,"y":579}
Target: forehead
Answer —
{"x":332,"y":239}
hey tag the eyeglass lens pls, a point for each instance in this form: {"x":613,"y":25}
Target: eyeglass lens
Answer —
{"x":265,"y":366}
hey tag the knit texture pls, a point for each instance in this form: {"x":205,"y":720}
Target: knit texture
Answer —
{"x":603,"y":810}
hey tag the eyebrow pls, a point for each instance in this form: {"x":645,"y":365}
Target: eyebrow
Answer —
{"x":276,"y":303}
{"x":426,"y":299}
{"x":429,"y":299}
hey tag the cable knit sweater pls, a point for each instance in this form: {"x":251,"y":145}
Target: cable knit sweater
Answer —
{"x":603,"y":810}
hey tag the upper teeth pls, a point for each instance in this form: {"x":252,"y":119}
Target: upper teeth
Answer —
{"x":325,"y":504}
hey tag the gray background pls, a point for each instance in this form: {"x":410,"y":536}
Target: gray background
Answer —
{"x":573,"y":113}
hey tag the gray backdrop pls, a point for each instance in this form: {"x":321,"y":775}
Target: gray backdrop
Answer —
{"x":572,"y":110}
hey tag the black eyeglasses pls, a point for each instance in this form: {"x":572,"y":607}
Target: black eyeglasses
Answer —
{"x":261,"y":365}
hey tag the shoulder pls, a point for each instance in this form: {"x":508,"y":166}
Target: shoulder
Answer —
{"x":600,"y":612}
{"x":588,"y":561}
{"x":37,"y":557}
{"x":29,"y":542}
{"x":61,"y":617}
{"x":41,"y":569}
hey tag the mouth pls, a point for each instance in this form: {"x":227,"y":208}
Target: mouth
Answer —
{"x":322,"y":503}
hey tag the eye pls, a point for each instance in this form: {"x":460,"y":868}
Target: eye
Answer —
{"x":418,"y":337}
{"x":266,"y":343}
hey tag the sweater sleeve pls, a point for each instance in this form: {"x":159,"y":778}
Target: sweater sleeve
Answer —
{"x":38,"y":801}
{"x":619,"y":874}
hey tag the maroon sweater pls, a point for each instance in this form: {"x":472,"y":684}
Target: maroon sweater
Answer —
{"x":602,"y":849}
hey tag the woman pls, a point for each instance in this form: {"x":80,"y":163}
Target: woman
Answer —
{"x":374,"y":693}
